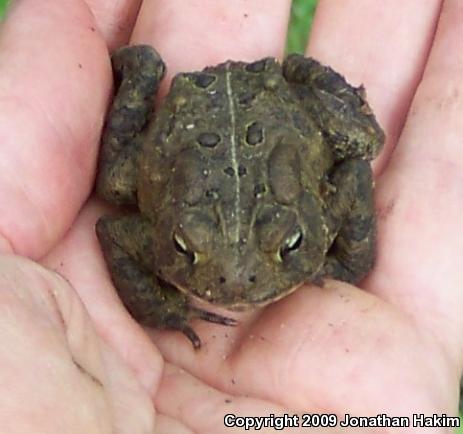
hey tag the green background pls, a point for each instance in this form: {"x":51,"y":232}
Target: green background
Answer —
{"x":301,"y":17}
{"x":3,"y":4}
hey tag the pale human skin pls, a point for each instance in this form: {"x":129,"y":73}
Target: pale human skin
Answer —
{"x":73,"y":360}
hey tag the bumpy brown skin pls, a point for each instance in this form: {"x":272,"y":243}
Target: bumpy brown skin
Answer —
{"x":251,"y":179}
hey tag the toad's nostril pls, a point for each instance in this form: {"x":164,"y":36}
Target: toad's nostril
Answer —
{"x":252,"y":278}
{"x":222,"y":279}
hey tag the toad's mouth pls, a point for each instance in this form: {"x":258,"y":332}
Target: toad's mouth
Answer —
{"x":237,"y":300}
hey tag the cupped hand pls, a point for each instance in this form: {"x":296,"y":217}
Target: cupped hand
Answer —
{"x":392,"y":346}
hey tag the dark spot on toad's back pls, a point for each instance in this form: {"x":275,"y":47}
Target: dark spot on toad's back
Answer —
{"x":208,"y":140}
{"x":203,"y":80}
{"x":259,"y":190}
{"x":254,"y":133}
{"x":246,"y":98}
{"x":256,"y":67}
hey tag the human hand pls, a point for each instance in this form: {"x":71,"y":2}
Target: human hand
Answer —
{"x":394,"y":349}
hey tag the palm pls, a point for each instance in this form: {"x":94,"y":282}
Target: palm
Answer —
{"x":336,"y":349}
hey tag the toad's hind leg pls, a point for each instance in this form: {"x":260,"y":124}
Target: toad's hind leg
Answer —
{"x":138,"y":71}
{"x":127,"y":244}
{"x":351,"y":255}
{"x":340,"y":110}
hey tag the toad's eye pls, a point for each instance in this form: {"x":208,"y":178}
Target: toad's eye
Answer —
{"x":181,"y":247}
{"x":292,"y":243}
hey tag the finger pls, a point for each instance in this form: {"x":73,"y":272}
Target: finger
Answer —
{"x":384,"y":48}
{"x":115,"y":19}
{"x":420,"y":197}
{"x":54,"y":86}
{"x":52,"y":358}
{"x":78,"y":258}
{"x":211,"y":31}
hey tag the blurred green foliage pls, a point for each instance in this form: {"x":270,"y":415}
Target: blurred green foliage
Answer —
{"x":3,"y":5}
{"x":301,"y":19}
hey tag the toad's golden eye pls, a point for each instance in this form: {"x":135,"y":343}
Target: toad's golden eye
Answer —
{"x":292,"y":243}
{"x":181,"y":247}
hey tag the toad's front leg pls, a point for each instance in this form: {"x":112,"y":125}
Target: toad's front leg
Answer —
{"x":138,"y":71}
{"x":127,"y":244}
{"x":352,"y":216}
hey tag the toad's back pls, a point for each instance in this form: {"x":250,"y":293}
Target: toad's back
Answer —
{"x":235,"y":135}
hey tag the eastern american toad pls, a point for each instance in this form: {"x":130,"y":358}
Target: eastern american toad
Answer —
{"x":249,"y":180}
